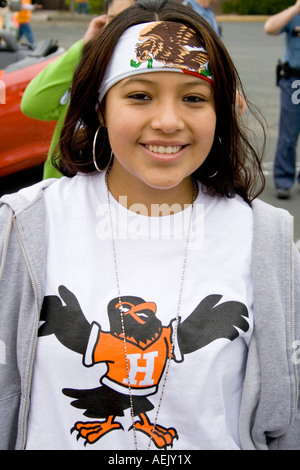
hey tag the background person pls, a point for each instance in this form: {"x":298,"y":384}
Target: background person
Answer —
{"x":288,"y":22}
{"x":202,"y":7}
{"x":23,"y":18}
{"x":83,"y":7}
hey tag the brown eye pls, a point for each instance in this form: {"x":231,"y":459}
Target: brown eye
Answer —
{"x":139,"y":97}
{"x":194,"y":99}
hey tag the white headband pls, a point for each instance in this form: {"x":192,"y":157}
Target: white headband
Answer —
{"x":156,"y":47}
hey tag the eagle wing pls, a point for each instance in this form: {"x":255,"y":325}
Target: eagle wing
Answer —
{"x":210,"y":321}
{"x":168,"y":45}
{"x":66,"y":321}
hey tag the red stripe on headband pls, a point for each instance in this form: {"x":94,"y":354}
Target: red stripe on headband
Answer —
{"x":207,"y":79}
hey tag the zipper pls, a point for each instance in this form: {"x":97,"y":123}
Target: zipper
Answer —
{"x":293,"y":327}
{"x":36,"y":330}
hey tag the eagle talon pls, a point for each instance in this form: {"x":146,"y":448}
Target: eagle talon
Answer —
{"x":93,"y":431}
{"x":160,"y":436}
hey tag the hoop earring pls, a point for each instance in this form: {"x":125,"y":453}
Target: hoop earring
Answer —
{"x":94,"y":153}
{"x":216,"y":172}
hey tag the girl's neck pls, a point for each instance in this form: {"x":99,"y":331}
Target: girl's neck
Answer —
{"x":141,"y":198}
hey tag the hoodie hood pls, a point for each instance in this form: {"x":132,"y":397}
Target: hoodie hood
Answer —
{"x":25,"y":197}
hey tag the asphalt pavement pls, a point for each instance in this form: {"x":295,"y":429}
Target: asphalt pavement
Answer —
{"x":255,"y":55}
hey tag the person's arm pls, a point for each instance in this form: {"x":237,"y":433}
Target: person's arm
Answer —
{"x":276,"y":23}
{"x":29,"y":6}
{"x":44,"y":96}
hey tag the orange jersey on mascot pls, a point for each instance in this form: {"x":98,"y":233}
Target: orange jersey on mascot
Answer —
{"x":146,"y":365}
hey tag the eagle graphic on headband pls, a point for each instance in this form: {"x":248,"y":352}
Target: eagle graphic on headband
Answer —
{"x":174,"y":45}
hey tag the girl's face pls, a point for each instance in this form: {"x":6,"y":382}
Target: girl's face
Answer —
{"x":161,"y":127}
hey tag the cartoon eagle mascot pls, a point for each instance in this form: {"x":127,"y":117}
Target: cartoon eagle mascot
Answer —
{"x":148,"y":344}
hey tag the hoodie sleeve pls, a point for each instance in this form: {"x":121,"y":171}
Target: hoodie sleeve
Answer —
{"x":22,"y":254}
{"x":9,"y":375}
{"x":291,"y":440}
{"x":269,"y":411}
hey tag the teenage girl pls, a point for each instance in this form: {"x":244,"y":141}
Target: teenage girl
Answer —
{"x":149,"y":299}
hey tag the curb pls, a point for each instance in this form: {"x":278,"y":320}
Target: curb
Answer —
{"x":242,"y":18}
{"x":56,"y":16}
{"x":64,"y":16}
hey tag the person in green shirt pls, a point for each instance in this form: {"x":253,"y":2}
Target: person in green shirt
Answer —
{"x":52,"y":86}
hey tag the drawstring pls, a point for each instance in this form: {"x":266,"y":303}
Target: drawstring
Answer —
{"x":6,"y":240}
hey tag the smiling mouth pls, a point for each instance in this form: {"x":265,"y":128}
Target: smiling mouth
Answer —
{"x":162,"y":149}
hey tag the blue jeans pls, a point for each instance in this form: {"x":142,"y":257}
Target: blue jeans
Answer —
{"x":289,"y":129}
{"x":82,"y":7}
{"x":25,"y":29}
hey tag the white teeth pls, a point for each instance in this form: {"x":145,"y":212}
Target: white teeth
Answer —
{"x":161,"y":149}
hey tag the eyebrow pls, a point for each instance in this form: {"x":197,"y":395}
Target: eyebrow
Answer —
{"x":130,"y":80}
{"x":192,"y":82}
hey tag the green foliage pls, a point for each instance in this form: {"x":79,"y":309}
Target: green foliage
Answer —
{"x":256,"y":7}
{"x":96,"y":6}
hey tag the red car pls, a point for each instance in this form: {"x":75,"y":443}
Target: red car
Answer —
{"x":24,"y":142}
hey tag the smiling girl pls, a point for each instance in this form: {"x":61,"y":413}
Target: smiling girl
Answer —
{"x":194,"y":123}
{"x":167,"y":315}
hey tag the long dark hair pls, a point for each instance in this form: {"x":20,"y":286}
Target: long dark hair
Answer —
{"x":233,"y":165}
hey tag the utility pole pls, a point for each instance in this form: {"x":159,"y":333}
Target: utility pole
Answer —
{"x":72,"y":6}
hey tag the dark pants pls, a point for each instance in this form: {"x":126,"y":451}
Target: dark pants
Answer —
{"x":82,"y":7}
{"x":289,"y":128}
{"x":25,"y":30}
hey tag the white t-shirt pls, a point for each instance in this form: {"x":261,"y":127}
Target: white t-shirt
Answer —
{"x":202,"y":393}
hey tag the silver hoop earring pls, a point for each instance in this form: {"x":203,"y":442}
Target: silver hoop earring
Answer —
{"x":94,"y":153}
{"x":216,"y":172}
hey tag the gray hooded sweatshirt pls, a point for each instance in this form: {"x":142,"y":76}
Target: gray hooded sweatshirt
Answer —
{"x":268,"y":415}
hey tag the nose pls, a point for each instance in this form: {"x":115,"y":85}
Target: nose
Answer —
{"x":168,"y":117}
